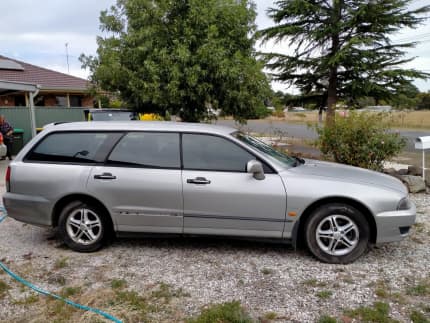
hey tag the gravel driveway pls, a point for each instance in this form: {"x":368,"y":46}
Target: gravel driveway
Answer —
{"x":173,"y":279}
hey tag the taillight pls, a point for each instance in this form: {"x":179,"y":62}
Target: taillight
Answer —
{"x":8,"y":179}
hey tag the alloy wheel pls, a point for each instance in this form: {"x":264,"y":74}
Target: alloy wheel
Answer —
{"x":337,"y":235}
{"x":84,"y":226}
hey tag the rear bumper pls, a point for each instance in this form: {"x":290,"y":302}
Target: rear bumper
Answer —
{"x":28,"y":209}
{"x":394,"y":225}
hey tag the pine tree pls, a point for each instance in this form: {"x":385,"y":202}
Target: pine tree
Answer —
{"x":342,"y":48}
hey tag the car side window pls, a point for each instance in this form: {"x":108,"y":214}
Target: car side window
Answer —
{"x":205,"y":152}
{"x":69,"y":147}
{"x":147,"y":149}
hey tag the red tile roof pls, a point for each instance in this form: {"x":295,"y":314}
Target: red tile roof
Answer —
{"x":47,"y":79}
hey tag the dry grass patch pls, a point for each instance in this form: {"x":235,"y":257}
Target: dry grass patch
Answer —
{"x":411,"y":119}
{"x":383,"y":290}
{"x":324,"y":294}
{"x":118,"y":283}
{"x":61,"y":263}
{"x":421,"y":288}
{"x":159,"y":303}
{"x":397,"y":119}
{"x":28,"y":300}
{"x":378,"y":313}
{"x":419,"y":317}
{"x":223,"y":313}
{"x":3,"y":289}
{"x":314,"y":283}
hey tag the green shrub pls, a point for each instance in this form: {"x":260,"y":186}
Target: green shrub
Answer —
{"x":259,"y":112}
{"x":360,"y":139}
{"x":230,"y":312}
{"x":417,"y":317}
{"x":378,"y":313}
{"x":324,"y":294}
{"x":327,"y":319}
{"x":118,"y":283}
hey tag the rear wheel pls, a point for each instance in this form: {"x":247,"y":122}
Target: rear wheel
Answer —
{"x":337,"y":233}
{"x":83,"y":227}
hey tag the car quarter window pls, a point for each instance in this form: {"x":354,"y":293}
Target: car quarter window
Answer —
{"x":206,"y":152}
{"x":147,"y":149}
{"x":79,"y":147}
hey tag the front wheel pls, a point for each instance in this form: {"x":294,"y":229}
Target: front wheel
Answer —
{"x":83,"y":227}
{"x":337,"y":233}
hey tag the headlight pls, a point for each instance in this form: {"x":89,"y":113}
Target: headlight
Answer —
{"x":404,"y":204}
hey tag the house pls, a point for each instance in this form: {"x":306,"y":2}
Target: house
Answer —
{"x":55,"y":89}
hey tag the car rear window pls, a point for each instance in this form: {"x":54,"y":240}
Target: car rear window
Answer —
{"x":147,"y":149}
{"x":69,"y":147}
{"x":113,"y":116}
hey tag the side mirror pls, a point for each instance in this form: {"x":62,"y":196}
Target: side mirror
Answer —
{"x":256,"y":168}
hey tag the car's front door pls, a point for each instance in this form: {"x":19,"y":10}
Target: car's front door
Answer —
{"x":141,"y":183}
{"x":221,"y":198}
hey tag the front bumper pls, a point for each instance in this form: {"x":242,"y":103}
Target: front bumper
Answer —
{"x":28,"y":209}
{"x":394,"y":225}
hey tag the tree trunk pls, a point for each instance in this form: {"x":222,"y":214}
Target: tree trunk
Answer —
{"x":331,"y":96}
{"x":332,"y":79}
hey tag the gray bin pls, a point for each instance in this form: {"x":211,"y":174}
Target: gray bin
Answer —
{"x":18,"y":141}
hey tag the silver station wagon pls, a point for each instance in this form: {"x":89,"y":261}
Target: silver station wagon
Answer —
{"x":94,"y":180}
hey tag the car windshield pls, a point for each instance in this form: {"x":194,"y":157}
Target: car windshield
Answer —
{"x":275,"y":155}
{"x":113,"y":116}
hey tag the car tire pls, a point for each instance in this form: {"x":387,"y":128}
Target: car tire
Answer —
{"x":84,"y":227}
{"x":337,"y":233}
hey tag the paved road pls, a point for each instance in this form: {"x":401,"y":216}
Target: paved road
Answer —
{"x":302,"y":130}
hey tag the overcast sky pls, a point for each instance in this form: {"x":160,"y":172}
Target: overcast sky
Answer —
{"x":37,"y":31}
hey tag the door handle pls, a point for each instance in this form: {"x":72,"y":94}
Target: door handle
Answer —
{"x":104,"y":176}
{"x":198,"y":180}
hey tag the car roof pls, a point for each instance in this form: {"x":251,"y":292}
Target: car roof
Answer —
{"x":142,"y":125}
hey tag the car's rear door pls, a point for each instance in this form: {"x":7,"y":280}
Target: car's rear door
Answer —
{"x":141,"y":183}
{"x":57,"y":166}
{"x":221,"y":198}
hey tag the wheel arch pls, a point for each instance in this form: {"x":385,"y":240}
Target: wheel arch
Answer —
{"x":298,"y":230}
{"x":78,"y":197}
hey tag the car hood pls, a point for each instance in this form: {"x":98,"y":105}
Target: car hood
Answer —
{"x":349,"y":174}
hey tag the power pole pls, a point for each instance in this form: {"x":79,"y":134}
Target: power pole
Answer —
{"x":67,"y":57}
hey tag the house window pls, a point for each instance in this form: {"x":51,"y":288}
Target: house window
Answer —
{"x":61,"y":101}
{"x":39,"y":101}
{"x":20,"y":101}
{"x":75,"y":101}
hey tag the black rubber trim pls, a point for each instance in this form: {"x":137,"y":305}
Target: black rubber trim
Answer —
{"x":236,"y":218}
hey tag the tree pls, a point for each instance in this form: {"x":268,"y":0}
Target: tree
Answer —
{"x":423,"y":100}
{"x":341,"y":48}
{"x":406,"y":98}
{"x":182,"y":56}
